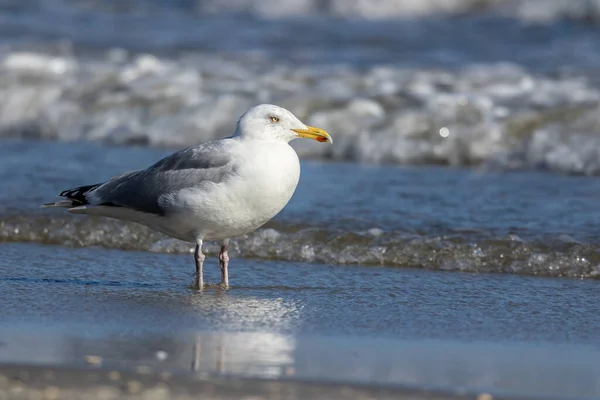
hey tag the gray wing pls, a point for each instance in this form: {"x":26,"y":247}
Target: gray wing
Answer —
{"x":140,"y":190}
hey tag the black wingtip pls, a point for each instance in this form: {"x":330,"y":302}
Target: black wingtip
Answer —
{"x":78,"y":194}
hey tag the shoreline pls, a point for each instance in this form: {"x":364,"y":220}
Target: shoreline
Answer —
{"x":18,"y":381}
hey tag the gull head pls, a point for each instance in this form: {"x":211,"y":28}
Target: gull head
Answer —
{"x":269,"y":122}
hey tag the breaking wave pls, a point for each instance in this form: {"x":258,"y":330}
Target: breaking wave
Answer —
{"x":561,"y":257}
{"x":499,"y":116}
{"x":526,"y":10}
{"x":451,"y":82}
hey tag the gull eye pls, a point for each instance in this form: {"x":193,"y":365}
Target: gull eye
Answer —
{"x":274,"y":119}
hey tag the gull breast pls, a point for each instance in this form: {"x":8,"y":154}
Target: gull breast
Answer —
{"x":265,"y":180}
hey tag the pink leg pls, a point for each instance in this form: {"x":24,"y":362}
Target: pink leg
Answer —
{"x":224,"y":263}
{"x":199,"y":258}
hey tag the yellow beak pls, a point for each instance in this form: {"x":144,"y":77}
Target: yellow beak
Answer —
{"x":314,"y":133}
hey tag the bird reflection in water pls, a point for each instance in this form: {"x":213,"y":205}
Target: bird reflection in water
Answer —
{"x":266,"y":352}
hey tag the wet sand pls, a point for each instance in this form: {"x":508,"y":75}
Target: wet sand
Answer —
{"x":32,"y":383}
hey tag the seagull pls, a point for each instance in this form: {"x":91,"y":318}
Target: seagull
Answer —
{"x":213,"y":191}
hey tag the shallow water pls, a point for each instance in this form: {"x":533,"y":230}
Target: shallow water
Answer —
{"x":433,"y":218}
{"x":307,"y":321}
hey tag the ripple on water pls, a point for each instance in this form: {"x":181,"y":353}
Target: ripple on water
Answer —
{"x":559,"y":257}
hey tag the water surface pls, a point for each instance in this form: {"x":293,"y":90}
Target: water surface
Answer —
{"x":433,"y":218}
{"x":480,"y":332}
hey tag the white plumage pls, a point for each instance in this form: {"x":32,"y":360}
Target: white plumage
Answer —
{"x":213,"y":191}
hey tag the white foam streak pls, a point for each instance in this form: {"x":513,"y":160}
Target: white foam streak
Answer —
{"x":557,"y":257}
{"x":497,"y":115}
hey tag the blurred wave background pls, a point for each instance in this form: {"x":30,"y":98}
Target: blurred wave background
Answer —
{"x":503,"y":84}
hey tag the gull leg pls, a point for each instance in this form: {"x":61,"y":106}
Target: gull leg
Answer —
{"x":199,"y":258}
{"x":224,"y":263}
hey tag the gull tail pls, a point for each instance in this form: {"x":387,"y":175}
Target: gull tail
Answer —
{"x":74,"y":197}
{"x":62,"y":203}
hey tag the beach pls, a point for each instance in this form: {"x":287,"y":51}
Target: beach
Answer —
{"x":445,"y":246}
